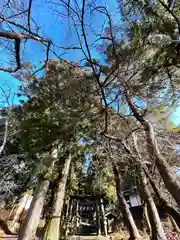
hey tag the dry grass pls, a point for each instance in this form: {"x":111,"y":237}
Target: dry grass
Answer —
{"x":121,"y":235}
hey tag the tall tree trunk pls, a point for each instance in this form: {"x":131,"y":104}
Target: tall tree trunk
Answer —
{"x":145,"y":210}
{"x":147,"y":219}
{"x":168,"y":177}
{"x":28,"y":230}
{"x":13,"y":208}
{"x":156,"y":225}
{"x":129,"y":221}
{"x":170,"y":209}
{"x":20,"y":209}
{"x":170,"y":181}
{"x":53,"y":232}
{"x":174,"y":224}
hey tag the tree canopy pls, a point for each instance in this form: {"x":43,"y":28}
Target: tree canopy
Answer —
{"x":95,"y":114}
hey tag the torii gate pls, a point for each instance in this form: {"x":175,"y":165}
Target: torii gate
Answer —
{"x":86,"y":216}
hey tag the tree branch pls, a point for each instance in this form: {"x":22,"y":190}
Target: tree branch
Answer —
{"x":171,"y":13}
{"x":5,"y":136}
{"x":46,"y":61}
{"x":17,"y":37}
{"x":29,"y":15}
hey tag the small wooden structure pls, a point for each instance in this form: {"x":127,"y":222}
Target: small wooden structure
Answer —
{"x":111,"y":217}
{"x":86,"y":216}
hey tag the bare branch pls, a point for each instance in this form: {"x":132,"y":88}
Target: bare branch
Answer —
{"x":5,"y":136}
{"x":29,"y":15}
{"x":170,"y":12}
{"x":17,"y":37}
{"x":46,"y":61}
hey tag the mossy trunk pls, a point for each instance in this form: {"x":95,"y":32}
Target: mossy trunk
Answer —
{"x":29,"y":228}
{"x":53,"y":231}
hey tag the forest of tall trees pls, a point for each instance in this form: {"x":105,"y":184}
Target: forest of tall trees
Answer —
{"x":98,"y":86}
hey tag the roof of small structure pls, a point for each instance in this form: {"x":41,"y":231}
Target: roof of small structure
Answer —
{"x":111,"y":212}
{"x":2,"y":120}
{"x":90,"y":197}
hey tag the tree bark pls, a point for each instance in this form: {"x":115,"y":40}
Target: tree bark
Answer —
{"x":104,"y":221}
{"x":170,"y":209}
{"x":12,"y":210}
{"x":145,"y":210}
{"x":174,"y":224}
{"x":20,"y":209}
{"x":129,"y":221}
{"x":170,"y":181}
{"x":53,"y":232}
{"x":28,"y":230}
{"x":156,"y":225}
{"x":147,"y":219}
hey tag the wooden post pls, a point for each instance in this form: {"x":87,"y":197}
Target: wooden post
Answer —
{"x":70,"y":211}
{"x":77,"y":220}
{"x":98,"y":219}
{"x":71,"y":219}
{"x":67,"y":220}
{"x":103,"y":218}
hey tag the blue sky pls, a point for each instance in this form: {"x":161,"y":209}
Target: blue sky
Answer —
{"x":58,"y":29}
{"x":176,"y":116}
{"x":54,"y":27}
{"x":10,"y":86}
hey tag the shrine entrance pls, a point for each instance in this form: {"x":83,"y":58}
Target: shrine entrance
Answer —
{"x":86,"y":216}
